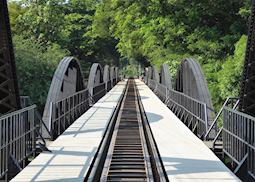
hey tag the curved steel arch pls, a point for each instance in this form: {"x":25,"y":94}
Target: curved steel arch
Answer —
{"x":155,"y":74}
{"x":106,"y":73}
{"x":107,"y":78}
{"x":149,"y":73}
{"x":146,"y":75}
{"x":117,"y":74}
{"x":67,"y":80}
{"x":191,"y":81}
{"x":165,"y":76}
{"x":113,"y":76}
{"x":96,"y":77}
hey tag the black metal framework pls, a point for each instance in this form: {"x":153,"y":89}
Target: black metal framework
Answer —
{"x":17,"y":139}
{"x":9,"y":94}
{"x":247,"y":93}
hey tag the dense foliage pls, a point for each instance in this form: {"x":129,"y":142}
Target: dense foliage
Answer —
{"x":150,"y":32}
{"x":35,"y":67}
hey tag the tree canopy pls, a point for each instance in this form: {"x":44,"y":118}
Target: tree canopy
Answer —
{"x":146,"y":31}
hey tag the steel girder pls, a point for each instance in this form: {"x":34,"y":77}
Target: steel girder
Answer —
{"x":191,"y":81}
{"x":107,"y":77}
{"x":247,"y":93}
{"x":165,"y":76}
{"x":113,"y":75}
{"x":9,"y":93}
{"x":96,"y":77}
{"x":106,"y":73}
{"x":152,"y":73}
{"x":66,"y":81}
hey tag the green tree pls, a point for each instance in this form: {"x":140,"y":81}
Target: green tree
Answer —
{"x":35,"y":67}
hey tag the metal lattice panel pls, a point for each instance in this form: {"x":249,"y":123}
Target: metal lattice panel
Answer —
{"x":9,"y":95}
{"x":247,"y":94}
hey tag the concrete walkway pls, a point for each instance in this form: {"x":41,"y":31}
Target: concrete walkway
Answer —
{"x":185,"y":157}
{"x":73,"y":151}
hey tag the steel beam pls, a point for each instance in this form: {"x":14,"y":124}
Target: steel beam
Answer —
{"x":9,"y":93}
{"x":247,"y":93}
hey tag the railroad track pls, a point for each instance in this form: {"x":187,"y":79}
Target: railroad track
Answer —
{"x":128,"y":152}
{"x":128,"y":158}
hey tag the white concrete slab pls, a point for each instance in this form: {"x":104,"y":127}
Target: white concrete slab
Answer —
{"x":73,"y":151}
{"x":185,"y":157}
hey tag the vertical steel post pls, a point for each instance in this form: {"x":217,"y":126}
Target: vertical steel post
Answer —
{"x":9,"y":94}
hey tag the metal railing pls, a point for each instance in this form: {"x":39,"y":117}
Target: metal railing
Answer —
{"x":239,"y":138}
{"x":108,"y":86}
{"x":98,"y":92}
{"x":17,"y":137}
{"x":191,"y":111}
{"x":229,"y":102}
{"x":114,"y":82}
{"x":66,"y":111}
{"x":25,"y":102}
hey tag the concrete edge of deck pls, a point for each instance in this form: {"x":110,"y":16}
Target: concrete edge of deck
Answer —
{"x":185,"y":157}
{"x":74,"y":150}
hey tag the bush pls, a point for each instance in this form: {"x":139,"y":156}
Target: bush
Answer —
{"x":35,"y":67}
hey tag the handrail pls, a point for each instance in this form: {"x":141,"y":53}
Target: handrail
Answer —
{"x":183,"y":104}
{"x":17,"y":112}
{"x":38,"y":116}
{"x":238,"y":135}
{"x":218,"y":115}
{"x":17,"y":137}
{"x":66,"y":110}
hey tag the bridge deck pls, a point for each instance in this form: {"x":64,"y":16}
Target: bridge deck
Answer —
{"x":185,"y":157}
{"x":73,"y":151}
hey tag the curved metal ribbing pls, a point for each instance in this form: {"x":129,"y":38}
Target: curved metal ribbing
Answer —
{"x":107,"y":78}
{"x":95,"y":76}
{"x":165,"y":76}
{"x":191,"y":81}
{"x":9,"y":93}
{"x":247,"y":94}
{"x":96,"y":84}
{"x":66,"y":81}
{"x":113,"y":76}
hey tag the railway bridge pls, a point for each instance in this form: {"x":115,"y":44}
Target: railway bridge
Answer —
{"x":111,"y":128}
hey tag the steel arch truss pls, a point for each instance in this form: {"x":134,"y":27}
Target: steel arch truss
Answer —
{"x":107,"y":78}
{"x":96,"y":84}
{"x":165,"y":76}
{"x":9,"y":94}
{"x":191,"y":81}
{"x":66,"y":81}
{"x":113,"y":75}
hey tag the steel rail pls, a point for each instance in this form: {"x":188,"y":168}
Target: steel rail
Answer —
{"x":129,"y":152}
